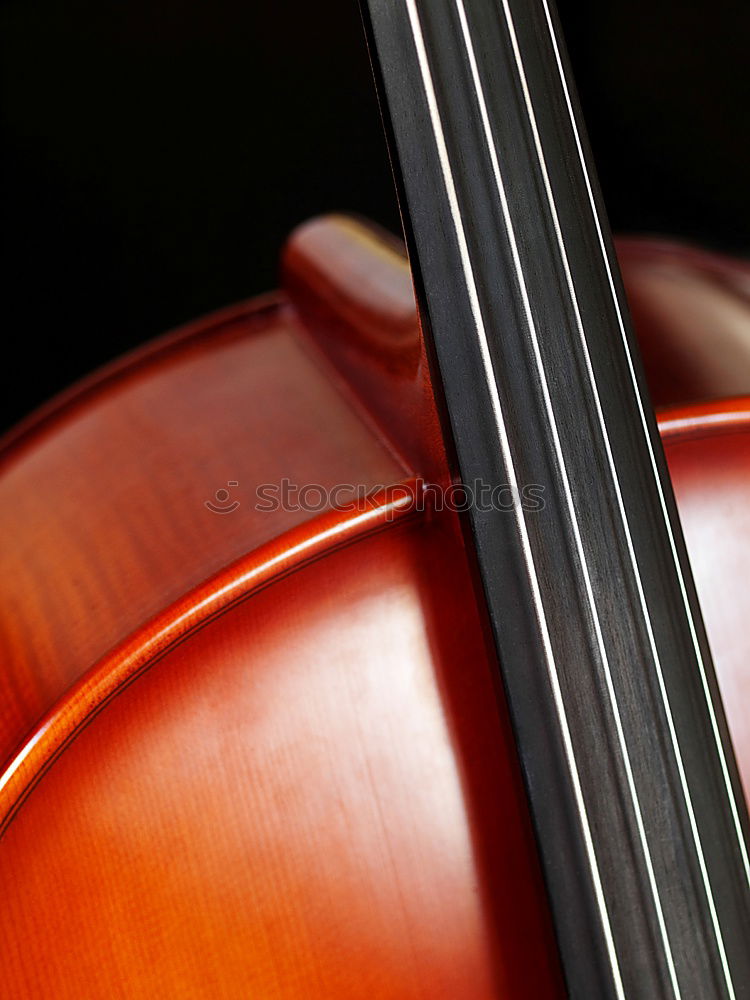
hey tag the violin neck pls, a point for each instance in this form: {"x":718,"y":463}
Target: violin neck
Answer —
{"x":630,"y":776}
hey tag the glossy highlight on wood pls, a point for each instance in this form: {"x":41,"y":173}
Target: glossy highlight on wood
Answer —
{"x":261,"y":754}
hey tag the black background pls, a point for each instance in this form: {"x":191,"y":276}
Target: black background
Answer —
{"x":157,"y":152}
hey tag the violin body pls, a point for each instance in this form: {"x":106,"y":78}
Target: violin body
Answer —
{"x":253,"y":741}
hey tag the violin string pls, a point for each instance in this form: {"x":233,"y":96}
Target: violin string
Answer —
{"x":730,"y":791}
{"x":491,"y":379}
{"x":618,"y":491}
{"x":572,"y":515}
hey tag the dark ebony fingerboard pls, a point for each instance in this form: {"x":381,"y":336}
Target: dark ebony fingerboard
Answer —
{"x":630,"y":775}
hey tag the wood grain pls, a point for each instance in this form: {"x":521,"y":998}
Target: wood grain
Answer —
{"x":313,"y":796}
{"x":273,"y":762}
{"x":102,"y":505}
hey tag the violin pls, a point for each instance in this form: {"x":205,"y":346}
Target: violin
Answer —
{"x":353,"y":636}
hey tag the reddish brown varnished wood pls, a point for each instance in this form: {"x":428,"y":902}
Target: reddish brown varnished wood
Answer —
{"x":102,"y":499}
{"x":271,"y":761}
{"x":399,"y":892}
{"x":270,"y":562}
{"x":691,"y":311}
{"x":708,"y":449}
{"x":731,"y":413}
{"x":304,"y":799}
{"x":352,"y":288}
